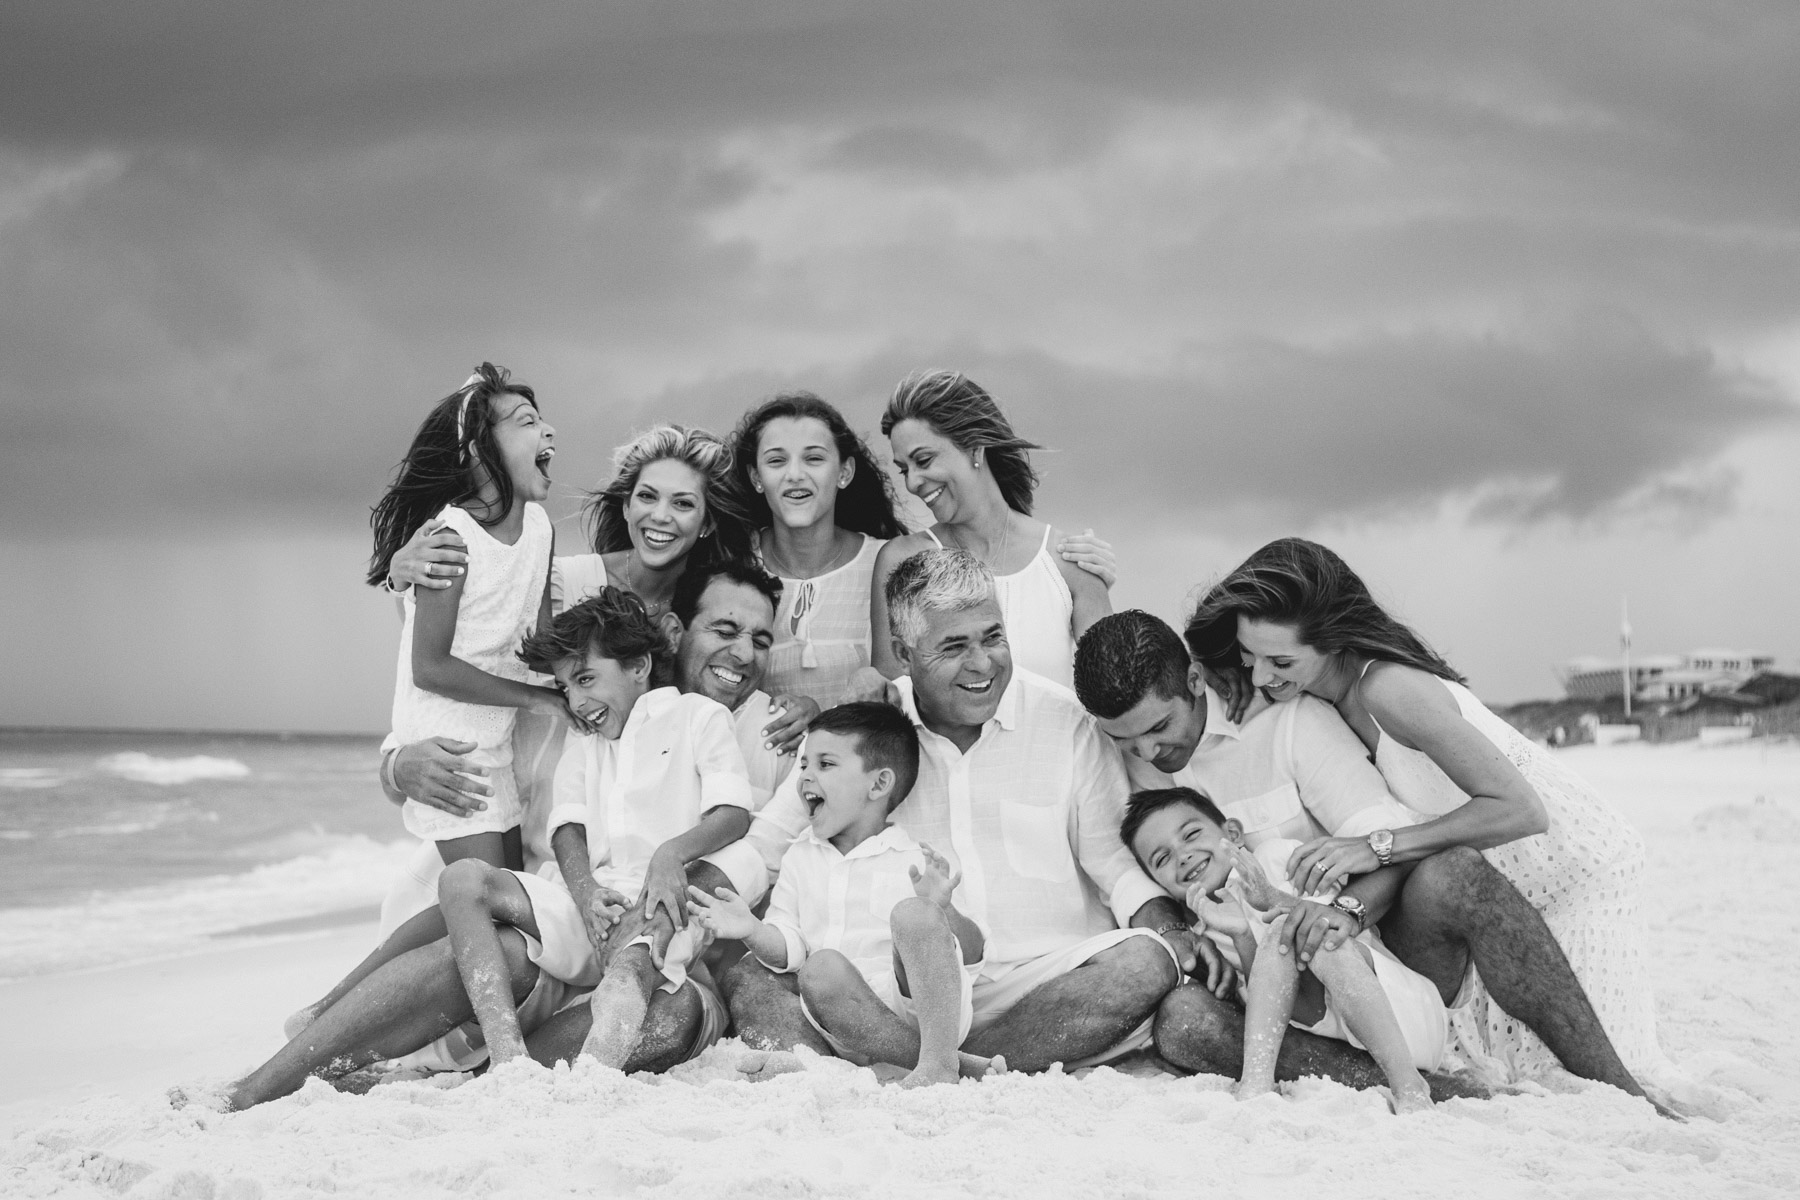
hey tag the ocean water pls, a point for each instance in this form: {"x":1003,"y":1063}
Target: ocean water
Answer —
{"x":123,"y":846}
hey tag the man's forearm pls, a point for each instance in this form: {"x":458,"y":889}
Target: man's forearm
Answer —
{"x":1157,"y":914}
{"x":1378,"y":890}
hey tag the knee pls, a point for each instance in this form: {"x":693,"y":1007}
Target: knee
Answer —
{"x":915,"y":915}
{"x":1454,"y":880}
{"x":1142,"y":967}
{"x":464,"y":881}
{"x":823,"y":975}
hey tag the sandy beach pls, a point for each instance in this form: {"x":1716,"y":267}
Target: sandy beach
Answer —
{"x":92,"y":1052}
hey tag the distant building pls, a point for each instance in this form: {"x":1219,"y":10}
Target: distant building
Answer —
{"x":1661,"y":678}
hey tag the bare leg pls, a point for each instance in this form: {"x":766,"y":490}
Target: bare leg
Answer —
{"x":930,"y":971}
{"x":1350,"y":978}
{"x":1084,"y":1012}
{"x":1268,"y":1007}
{"x":671,"y":1022}
{"x":1197,"y":1031}
{"x":1456,"y":906}
{"x":405,"y":1005}
{"x":765,"y":1008}
{"x":620,"y":1004}
{"x":474,"y":897}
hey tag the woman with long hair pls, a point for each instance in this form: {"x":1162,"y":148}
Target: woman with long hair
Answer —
{"x":822,"y":510}
{"x":1302,"y":621}
{"x":956,"y":451}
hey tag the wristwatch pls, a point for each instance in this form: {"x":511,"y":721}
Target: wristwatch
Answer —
{"x":1351,"y":907}
{"x":1382,"y":843}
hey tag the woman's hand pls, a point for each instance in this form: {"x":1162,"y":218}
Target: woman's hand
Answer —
{"x":1233,"y":687}
{"x":1308,"y":925}
{"x":1092,"y":554}
{"x":784,"y":733}
{"x":432,"y":557}
{"x":1325,"y":862}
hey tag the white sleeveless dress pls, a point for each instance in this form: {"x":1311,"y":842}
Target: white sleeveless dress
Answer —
{"x":1583,"y":874}
{"x":822,"y":630}
{"x":1039,"y":613}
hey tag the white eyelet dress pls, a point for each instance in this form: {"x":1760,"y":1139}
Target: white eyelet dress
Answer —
{"x":822,"y":630}
{"x":499,"y":606}
{"x":1039,"y":612}
{"x":1584,"y":874}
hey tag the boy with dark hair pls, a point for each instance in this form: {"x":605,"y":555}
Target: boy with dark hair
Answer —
{"x":863,"y":912}
{"x":1358,"y":993}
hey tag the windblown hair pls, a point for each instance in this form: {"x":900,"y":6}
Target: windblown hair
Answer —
{"x":725,"y":532}
{"x":960,"y":409}
{"x":1142,"y":805}
{"x":1126,"y":656}
{"x":1300,"y":583}
{"x":934,"y":581}
{"x":612,"y":623}
{"x":884,"y":737}
{"x":864,"y":505}
{"x":444,"y":465}
{"x":697,"y":577}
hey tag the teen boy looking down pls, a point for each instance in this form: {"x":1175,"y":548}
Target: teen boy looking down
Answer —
{"x":1296,"y":770}
{"x":1018,"y":789}
{"x":863,"y":913}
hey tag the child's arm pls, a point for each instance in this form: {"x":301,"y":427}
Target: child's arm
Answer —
{"x":936,"y":883}
{"x":665,"y":882}
{"x":437,"y":670}
{"x":726,"y":915}
{"x":600,"y":907}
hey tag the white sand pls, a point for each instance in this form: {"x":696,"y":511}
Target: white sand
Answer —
{"x":87,"y":1054}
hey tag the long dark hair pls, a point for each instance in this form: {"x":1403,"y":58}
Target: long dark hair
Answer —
{"x":613,"y":622}
{"x":864,"y":505}
{"x":961,"y":410}
{"x":1303,"y":584}
{"x":729,"y":532}
{"x":443,"y":465}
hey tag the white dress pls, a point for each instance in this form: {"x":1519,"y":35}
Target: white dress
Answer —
{"x":1583,"y":874}
{"x":822,"y":630}
{"x":499,"y":606}
{"x":1039,"y":612}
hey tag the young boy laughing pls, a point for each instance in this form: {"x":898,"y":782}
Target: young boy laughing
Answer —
{"x":863,"y":912}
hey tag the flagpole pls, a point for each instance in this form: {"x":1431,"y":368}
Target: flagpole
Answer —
{"x":1625,"y":644}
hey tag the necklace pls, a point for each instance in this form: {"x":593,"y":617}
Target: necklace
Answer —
{"x":632,"y":585}
{"x":766,"y":543}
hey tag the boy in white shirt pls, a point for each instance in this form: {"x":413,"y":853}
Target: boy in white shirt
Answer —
{"x":660,"y":784}
{"x":1358,"y":993}
{"x":863,"y":912}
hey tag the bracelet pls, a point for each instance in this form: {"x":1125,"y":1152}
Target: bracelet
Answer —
{"x":388,"y":782}
{"x":1168,"y":927}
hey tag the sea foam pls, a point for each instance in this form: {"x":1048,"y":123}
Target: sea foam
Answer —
{"x":147,"y":768}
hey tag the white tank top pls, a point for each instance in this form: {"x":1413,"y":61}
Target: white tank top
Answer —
{"x":1039,"y":614}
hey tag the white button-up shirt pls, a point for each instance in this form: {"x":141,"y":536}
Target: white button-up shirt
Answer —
{"x":1030,"y":815}
{"x":676,"y":759}
{"x":767,"y":768}
{"x":1293,"y":770}
{"x":828,"y":900}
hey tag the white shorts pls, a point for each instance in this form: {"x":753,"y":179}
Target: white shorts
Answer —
{"x":886,"y":986}
{"x":562,"y":948}
{"x":1005,"y":984}
{"x":1417,"y":1005}
{"x":504,"y":809}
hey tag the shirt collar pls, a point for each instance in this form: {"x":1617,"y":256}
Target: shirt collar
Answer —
{"x":1007,"y":715}
{"x":651,"y":705}
{"x":891,"y":838}
{"x":1217,"y":723}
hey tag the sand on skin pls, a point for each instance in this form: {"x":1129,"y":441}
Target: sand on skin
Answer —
{"x":1725,"y":943}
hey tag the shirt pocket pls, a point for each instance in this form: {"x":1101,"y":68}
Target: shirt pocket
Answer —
{"x":1267,"y":810}
{"x":1037,"y":841}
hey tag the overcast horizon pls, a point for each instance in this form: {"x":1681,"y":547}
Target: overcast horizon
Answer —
{"x":1501,"y":303}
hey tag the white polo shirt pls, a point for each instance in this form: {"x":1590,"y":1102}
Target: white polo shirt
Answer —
{"x":1030,"y":815}
{"x":676,"y":759}
{"x":1293,"y":770}
{"x":828,"y":900}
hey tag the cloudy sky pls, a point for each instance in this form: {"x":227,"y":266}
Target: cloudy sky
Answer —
{"x":1502,"y":302}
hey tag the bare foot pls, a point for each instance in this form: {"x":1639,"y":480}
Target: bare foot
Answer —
{"x":758,"y":1066}
{"x":973,"y":1066}
{"x":214,"y":1099}
{"x":618,"y":1020}
{"x":1411,"y":1095}
{"x":945,"y":1070}
{"x":290,"y":1028}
